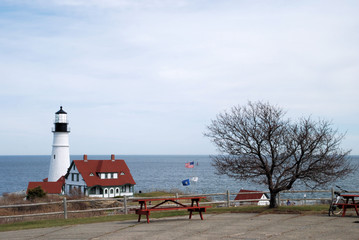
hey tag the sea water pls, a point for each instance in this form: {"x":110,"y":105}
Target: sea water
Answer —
{"x":150,"y":172}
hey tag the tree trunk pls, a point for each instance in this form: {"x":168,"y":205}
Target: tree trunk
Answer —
{"x":273,"y":200}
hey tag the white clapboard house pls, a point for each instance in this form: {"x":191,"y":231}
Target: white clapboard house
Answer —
{"x":99,"y":178}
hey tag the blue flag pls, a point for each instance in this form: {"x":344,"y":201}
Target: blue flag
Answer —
{"x":185,"y":182}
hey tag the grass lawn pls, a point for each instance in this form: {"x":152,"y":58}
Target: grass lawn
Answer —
{"x":310,"y":209}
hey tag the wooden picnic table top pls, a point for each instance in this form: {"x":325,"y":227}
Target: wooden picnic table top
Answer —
{"x":168,"y":198}
{"x":349,"y":195}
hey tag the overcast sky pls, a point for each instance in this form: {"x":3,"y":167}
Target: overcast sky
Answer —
{"x":147,"y":77}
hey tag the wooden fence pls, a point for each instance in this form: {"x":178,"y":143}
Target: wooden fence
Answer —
{"x":126,"y":203}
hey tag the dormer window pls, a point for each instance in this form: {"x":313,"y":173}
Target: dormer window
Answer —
{"x":108,"y":175}
{"x":91,"y":175}
{"x":122,"y":173}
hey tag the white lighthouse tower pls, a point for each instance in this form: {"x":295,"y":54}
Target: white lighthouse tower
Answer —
{"x":60,"y":158}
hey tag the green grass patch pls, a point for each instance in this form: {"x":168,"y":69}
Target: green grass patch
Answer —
{"x":64,"y":222}
{"x":154,"y":194}
{"x":308,"y":209}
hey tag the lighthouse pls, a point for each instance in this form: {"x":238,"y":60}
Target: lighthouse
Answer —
{"x":60,"y":157}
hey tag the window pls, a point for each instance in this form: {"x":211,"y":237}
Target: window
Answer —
{"x":92,"y":191}
{"x":111,"y":191}
{"x":74,"y":167}
{"x":117,"y":190}
{"x":77,"y":177}
{"x":72,"y":176}
{"x":106,"y":191}
{"x":54,"y":156}
{"x":91,"y":175}
{"x":109,"y":175}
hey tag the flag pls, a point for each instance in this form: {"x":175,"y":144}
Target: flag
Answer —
{"x":194,"y":179}
{"x":185,"y":182}
{"x":189,"y":165}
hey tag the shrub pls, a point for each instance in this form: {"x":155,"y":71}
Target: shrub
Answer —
{"x":36,"y":192}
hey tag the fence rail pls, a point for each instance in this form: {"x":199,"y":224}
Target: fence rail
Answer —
{"x":126,"y":207}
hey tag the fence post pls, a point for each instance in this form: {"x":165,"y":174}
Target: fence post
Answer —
{"x":278,"y":196}
{"x":176,"y":195}
{"x":228,"y":199}
{"x":65,"y":208}
{"x":125,"y":204}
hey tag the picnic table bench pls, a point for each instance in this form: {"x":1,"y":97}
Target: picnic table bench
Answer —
{"x":349,"y":204}
{"x":194,"y":207}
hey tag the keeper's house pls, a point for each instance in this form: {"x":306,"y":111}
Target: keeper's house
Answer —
{"x":99,"y":178}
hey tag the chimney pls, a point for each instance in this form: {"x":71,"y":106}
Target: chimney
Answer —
{"x":113,"y":157}
{"x":85,"y":158}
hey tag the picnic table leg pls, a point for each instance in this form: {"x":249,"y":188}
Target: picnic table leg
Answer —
{"x":200,"y":213}
{"x":355,"y":206}
{"x":139,"y":213}
{"x":345,"y":207}
{"x":344,"y":210}
{"x":190,"y":210}
{"x":148,"y":217}
{"x":356,"y":209}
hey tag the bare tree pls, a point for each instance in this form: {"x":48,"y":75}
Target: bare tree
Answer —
{"x":256,"y":142}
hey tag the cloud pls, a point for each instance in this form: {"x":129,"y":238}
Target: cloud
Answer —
{"x":160,"y":70}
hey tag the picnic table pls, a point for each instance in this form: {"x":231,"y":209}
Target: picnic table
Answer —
{"x":179,"y":205}
{"x":349,"y":203}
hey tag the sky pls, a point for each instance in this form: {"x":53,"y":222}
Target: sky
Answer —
{"x":147,"y":77}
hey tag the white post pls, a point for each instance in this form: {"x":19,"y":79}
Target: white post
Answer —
{"x":65,"y":208}
{"x":228,"y":199}
{"x":125,"y":204}
{"x":279,"y":203}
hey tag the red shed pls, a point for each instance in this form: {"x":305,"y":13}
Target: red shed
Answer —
{"x":257,"y":197}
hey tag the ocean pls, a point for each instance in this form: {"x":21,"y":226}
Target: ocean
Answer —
{"x":150,"y":172}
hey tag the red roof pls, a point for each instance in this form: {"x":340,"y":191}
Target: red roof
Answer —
{"x":49,"y":187}
{"x":251,"y":195}
{"x":89,"y":170}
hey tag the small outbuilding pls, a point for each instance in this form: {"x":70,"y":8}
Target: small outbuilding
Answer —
{"x":49,"y":187}
{"x":251,"y":197}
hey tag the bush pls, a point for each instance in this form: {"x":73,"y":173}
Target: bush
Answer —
{"x":37,"y":192}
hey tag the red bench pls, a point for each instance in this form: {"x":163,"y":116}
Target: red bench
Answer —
{"x":194,"y":207}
